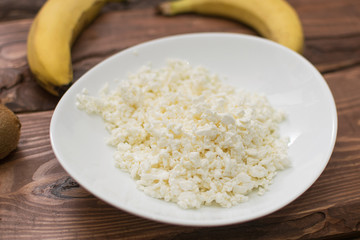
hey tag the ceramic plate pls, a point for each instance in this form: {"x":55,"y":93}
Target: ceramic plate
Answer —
{"x":289,"y":81}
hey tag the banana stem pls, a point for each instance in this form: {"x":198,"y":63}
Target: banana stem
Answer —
{"x":175,"y":7}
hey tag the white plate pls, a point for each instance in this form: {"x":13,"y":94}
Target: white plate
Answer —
{"x":290,"y":82}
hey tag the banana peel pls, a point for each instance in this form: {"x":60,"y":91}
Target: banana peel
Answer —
{"x":51,"y":36}
{"x":276,"y":20}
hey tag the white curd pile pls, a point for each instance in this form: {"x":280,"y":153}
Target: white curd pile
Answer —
{"x":186,"y":137}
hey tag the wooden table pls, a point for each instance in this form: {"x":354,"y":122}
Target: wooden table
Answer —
{"x":39,"y":200}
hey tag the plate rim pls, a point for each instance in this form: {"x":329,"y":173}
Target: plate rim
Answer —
{"x":198,"y":223}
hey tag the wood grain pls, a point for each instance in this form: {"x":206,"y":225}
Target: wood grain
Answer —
{"x":39,"y":200}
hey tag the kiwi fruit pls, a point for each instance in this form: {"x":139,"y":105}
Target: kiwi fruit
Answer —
{"x":9,"y":131}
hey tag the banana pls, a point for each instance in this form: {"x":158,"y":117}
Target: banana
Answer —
{"x":273,"y":19}
{"x":51,"y":36}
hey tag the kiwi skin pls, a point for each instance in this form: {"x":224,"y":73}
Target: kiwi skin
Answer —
{"x":9,"y":131}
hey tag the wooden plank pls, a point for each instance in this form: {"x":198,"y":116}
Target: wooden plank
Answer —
{"x":12,"y":10}
{"x":17,"y":87}
{"x":21,"y":9}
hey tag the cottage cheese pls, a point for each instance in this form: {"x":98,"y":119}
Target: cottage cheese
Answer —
{"x":186,"y":137}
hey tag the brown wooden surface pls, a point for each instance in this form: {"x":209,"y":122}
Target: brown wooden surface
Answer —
{"x":39,"y":200}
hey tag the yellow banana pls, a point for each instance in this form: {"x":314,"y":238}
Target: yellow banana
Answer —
{"x":273,"y":19}
{"x":51,"y":36}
